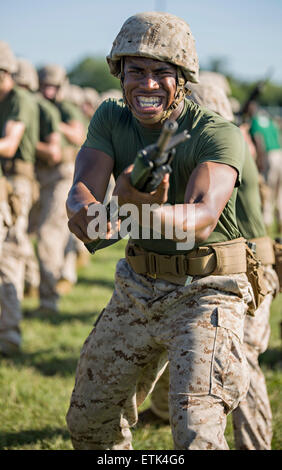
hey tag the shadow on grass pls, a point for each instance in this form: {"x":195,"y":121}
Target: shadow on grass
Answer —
{"x":31,"y":436}
{"x":60,"y":317}
{"x":46,"y":362}
{"x":96,"y":282}
{"x":272,"y":358}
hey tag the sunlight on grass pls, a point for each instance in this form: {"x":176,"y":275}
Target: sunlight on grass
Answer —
{"x":35,"y":386}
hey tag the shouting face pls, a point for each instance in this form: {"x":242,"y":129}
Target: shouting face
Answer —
{"x":149,"y":87}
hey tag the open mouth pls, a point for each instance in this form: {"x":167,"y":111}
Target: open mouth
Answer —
{"x":149,"y":103}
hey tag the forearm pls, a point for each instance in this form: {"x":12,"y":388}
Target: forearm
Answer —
{"x":74,"y":134}
{"x":45,"y":151}
{"x":9,"y":143}
{"x":78,"y":197}
{"x":184,"y":220}
{"x":7,"y":148}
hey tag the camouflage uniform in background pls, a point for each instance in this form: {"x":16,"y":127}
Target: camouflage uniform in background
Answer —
{"x":18,"y":106}
{"x":55,"y":241}
{"x":252,"y":418}
{"x":26,"y":77}
{"x":5,"y":212}
{"x":197,"y":326}
{"x":75,"y":253}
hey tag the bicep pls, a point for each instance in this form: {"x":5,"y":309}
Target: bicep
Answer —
{"x":14,"y":131}
{"x":93,"y":168}
{"x":211,"y":184}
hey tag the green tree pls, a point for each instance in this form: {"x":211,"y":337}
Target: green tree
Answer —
{"x":93,"y":72}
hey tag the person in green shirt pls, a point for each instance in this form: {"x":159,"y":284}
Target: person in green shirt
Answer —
{"x":189,"y":305}
{"x":53,"y":82}
{"x":54,"y":169}
{"x":48,"y":161}
{"x":18,"y":137}
{"x":75,"y":250}
{"x":265,"y":134}
{"x":252,"y":418}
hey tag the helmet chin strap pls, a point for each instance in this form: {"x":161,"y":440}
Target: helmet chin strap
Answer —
{"x":181,"y":91}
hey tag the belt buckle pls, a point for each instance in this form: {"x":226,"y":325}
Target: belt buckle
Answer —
{"x":153,"y":276}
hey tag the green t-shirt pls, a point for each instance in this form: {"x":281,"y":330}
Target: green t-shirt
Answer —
{"x":68,"y":112}
{"x":114,"y":130}
{"x":49,"y":118}
{"x":266,"y":127}
{"x":21,"y":106}
{"x":248,"y":203}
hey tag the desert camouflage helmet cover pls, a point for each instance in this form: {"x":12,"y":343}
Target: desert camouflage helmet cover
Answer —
{"x":215,"y":78}
{"x":26,"y":75}
{"x":52,"y":74}
{"x":73,"y":93}
{"x":8,"y":61}
{"x":156,"y":35}
{"x":91,"y":96}
{"x":213,"y":97}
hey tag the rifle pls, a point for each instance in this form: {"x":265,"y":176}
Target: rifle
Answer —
{"x":254,"y":94}
{"x":150,"y":166}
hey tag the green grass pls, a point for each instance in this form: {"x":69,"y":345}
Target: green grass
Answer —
{"x":35,"y":386}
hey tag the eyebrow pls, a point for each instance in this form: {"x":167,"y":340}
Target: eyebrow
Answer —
{"x":162,"y":68}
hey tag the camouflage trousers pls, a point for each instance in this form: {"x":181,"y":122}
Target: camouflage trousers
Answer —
{"x":273,"y":179}
{"x":12,"y":264}
{"x":53,"y":233}
{"x":5,"y":222}
{"x":252,"y":418}
{"x":198,"y":328}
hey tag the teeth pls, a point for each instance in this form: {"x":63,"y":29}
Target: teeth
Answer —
{"x":144,"y":101}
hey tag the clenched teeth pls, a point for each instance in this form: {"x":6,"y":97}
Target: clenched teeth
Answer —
{"x":146,"y":102}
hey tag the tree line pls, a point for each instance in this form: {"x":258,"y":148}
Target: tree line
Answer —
{"x":93,"y":72}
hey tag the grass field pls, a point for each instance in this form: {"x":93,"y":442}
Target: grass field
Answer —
{"x":35,"y":386}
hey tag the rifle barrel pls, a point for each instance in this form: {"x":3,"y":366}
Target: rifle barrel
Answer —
{"x":168,"y":130}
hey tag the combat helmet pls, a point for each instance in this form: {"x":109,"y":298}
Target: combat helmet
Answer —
{"x":52,"y":74}
{"x":211,"y":96}
{"x":215,"y":78}
{"x":73,"y":93}
{"x":160,"y":36}
{"x":91,"y":96}
{"x":26,"y":75}
{"x":8,"y":61}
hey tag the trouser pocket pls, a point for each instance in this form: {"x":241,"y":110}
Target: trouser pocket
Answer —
{"x":230,"y":370}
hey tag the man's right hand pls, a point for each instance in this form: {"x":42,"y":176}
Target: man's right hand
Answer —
{"x":79,"y":222}
{"x":55,"y":155}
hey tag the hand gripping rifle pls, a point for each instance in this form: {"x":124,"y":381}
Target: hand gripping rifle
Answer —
{"x":150,"y":166}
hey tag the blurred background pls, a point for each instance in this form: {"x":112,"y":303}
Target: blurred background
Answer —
{"x":239,"y":39}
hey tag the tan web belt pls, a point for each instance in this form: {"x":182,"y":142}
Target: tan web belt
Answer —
{"x":18,"y":167}
{"x":264,"y":250}
{"x":218,"y":258}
